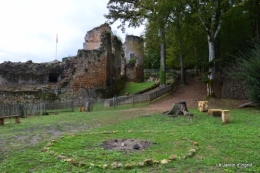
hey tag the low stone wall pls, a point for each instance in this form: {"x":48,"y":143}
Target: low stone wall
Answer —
{"x":233,"y":89}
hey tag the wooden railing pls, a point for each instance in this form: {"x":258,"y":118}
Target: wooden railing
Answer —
{"x":25,"y":110}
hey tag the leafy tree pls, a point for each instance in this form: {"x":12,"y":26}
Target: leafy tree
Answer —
{"x":248,"y":68}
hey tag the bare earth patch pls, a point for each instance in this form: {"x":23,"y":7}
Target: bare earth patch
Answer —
{"x":126,"y":144}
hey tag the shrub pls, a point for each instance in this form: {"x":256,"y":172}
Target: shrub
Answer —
{"x":248,"y":68}
{"x":132,"y":61}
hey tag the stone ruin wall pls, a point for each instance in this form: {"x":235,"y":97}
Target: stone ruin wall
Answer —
{"x":92,"y":38}
{"x":227,"y":88}
{"x":134,"y":48}
{"x":77,"y":77}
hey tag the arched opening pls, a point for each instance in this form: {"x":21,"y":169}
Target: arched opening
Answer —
{"x":53,"y":77}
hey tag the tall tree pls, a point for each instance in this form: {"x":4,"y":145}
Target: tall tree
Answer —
{"x":210,"y":15}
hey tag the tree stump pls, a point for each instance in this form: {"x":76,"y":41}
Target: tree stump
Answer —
{"x":179,"y":108}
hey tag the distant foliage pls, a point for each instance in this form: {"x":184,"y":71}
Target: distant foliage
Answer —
{"x":248,"y":71}
{"x":132,"y":61}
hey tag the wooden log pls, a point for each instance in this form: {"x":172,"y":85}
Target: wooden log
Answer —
{"x":225,"y":116}
{"x":249,"y":104}
{"x":203,"y":106}
{"x":215,"y":112}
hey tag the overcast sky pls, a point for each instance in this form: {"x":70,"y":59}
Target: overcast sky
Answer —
{"x":29,"y":27}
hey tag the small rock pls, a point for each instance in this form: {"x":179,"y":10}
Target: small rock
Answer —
{"x":141,"y":164}
{"x":156,"y":162}
{"x":128,"y":165}
{"x":114,"y":165}
{"x":44,"y":149}
{"x":164,"y":161}
{"x":192,"y":150}
{"x":148,"y":161}
{"x":173,"y":157}
{"x":53,"y":141}
{"x":49,"y":145}
{"x":136,"y":147}
{"x":62,"y":157}
{"x":195,"y":143}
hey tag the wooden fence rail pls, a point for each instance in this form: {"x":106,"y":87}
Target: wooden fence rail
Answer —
{"x":25,"y":110}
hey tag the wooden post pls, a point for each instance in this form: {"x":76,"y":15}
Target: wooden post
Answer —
{"x":114,"y":104}
{"x":1,"y":121}
{"x":225,"y":116}
{"x":17,"y":119}
{"x":133,"y":99}
{"x":72,"y":106}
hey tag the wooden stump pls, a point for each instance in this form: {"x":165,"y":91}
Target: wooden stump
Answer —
{"x":179,"y":109}
{"x":203,"y":106}
{"x":225,"y":116}
{"x":215,"y":112}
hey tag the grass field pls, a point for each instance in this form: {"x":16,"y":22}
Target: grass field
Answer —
{"x":132,"y":87}
{"x":70,"y":142}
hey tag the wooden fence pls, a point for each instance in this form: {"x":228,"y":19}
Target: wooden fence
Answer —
{"x":25,"y":110}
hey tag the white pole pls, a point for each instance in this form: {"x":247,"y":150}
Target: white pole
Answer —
{"x":56,"y":46}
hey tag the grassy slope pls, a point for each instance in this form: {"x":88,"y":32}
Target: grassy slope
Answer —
{"x":237,"y":142}
{"x":132,"y":88}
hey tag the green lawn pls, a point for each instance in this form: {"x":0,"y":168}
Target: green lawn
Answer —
{"x":132,"y":87}
{"x":222,"y":147}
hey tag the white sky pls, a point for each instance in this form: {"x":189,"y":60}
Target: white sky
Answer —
{"x":28,"y":28}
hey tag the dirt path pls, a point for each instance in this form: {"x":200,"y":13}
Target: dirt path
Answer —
{"x":193,"y":92}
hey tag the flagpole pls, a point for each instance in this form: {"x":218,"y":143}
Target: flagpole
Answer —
{"x":56,"y":46}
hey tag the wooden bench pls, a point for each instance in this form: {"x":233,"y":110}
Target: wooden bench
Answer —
{"x":16,"y":118}
{"x":215,"y":112}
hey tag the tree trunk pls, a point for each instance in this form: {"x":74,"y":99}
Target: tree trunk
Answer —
{"x":210,"y":91}
{"x":183,"y":81}
{"x":179,"y":109}
{"x":162,"y":66}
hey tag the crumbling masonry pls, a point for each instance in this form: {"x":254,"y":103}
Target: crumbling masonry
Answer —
{"x":92,"y":72}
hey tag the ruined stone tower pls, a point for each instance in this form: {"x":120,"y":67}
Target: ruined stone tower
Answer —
{"x":134,"y":49}
{"x":96,"y":67}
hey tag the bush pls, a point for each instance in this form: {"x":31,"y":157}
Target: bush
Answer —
{"x":248,"y":71}
{"x":132,"y":61}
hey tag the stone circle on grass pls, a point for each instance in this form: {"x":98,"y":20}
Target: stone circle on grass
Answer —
{"x":126,"y":144}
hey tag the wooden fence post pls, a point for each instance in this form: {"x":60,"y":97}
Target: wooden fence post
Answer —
{"x":72,"y":106}
{"x":114,"y":104}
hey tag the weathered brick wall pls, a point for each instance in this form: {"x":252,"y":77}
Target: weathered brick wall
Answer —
{"x":93,"y":37}
{"x":134,"y":48}
{"x":90,"y":70}
{"x":98,"y":65}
